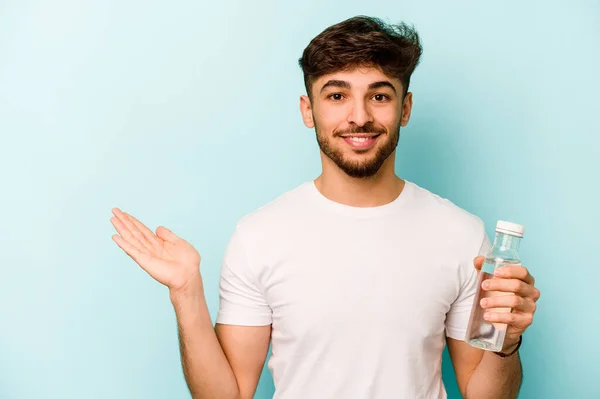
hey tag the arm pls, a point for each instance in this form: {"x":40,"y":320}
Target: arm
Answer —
{"x":482,"y":374}
{"x":246,"y":350}
{"x":224,"y":362}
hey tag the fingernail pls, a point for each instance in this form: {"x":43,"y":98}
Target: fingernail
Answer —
{"x":485,"y":285}
{"x":487,"y":316}
{"x":483,"y":302}
{"x":499,"y":272}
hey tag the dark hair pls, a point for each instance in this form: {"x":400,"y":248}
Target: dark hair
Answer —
{"x":362,"y":42}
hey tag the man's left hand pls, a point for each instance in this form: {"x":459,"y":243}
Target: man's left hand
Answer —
{"x":510,"y":279}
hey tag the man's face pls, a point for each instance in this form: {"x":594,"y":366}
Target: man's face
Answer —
{"x":357,"y":115}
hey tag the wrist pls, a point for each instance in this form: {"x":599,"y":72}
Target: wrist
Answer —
{"x":510,"y":347}
{"x":191,"y":289}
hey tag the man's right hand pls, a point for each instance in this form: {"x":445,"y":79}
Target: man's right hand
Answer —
{"x":226,"y":365}
{"x":169,"y":259}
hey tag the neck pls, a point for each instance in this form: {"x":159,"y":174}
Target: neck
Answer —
{"x":380,"y":189}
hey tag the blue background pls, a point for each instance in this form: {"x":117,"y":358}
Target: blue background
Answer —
{"x":186,"y":114}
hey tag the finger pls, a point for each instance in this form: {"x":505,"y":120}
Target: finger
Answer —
{"x":135,"y":232}
{"x":515,"y":286}
{"x":129,"y":249}
{"x":515,"y":319}
{"x":146,"y":232}
{"x":478,"y":262}
{"x":166,"y":234}
{"x":515,"y":271}
{"x":515,"y":302}
{"x":125,"y":233}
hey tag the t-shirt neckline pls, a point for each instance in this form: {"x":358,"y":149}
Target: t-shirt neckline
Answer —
{"x":349,"y":210}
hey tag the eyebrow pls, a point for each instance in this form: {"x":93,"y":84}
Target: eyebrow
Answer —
{"x":342,"y":84}
{"x":383,"y":83}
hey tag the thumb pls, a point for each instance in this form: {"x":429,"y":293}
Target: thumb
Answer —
{"x":478,"y":262}
{"x":166,"y":234}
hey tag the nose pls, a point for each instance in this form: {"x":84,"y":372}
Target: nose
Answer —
{"x":359,"y":114}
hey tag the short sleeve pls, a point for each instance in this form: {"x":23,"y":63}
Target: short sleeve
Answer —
{"x":241,"y":301}
{"x":457,"y":318}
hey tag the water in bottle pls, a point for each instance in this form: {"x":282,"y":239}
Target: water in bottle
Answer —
{"x":504,"y":252}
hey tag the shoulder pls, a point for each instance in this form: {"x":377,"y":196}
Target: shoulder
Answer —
{"x":450,"y":230}
{"x":444,"y":216}
{"x":283,"y":210}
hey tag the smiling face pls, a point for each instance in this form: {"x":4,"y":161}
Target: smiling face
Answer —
{"x":357,"y":115}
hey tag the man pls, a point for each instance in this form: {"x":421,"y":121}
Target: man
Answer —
{"x":358,"y":278}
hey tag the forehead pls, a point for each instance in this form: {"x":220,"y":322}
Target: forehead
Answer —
{"x":358,"y":78}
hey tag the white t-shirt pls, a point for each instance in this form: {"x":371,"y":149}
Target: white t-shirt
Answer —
{"x":360,"y":299}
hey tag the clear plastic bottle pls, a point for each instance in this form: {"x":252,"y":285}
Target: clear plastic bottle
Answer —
{"x":505,"y":251}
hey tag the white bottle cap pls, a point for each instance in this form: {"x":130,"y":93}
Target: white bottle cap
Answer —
{"x":510,"y":228}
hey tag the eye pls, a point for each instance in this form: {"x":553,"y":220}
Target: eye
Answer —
{"x":335,"y":96}
{"x":381,"y":97}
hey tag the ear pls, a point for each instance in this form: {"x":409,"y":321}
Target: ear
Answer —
{"x":407,"y":103}
{"x":306,"y":111}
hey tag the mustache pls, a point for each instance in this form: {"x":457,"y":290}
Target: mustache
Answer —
{"x":367,"y":128}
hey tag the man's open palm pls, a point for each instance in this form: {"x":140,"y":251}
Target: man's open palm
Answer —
{"x":169,"y":259}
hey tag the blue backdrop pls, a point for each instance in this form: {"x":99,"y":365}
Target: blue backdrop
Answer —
{"x":186,"y":114}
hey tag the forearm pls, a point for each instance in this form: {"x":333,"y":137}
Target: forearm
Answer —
{"x":205,"y":366}
{"x":495,"y":377}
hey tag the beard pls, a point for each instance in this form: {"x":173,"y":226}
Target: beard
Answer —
{"x":364,"y":168}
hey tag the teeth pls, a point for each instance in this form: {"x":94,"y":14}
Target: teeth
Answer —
{"x":359,"y":139}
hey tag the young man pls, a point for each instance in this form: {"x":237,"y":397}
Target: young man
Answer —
{"x":358,"y":278}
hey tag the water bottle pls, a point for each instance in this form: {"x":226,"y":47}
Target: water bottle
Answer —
{"x":480,"y":333}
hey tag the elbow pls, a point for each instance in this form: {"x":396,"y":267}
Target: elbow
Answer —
{"x":230,"y":394}
{"x":219,"y":396}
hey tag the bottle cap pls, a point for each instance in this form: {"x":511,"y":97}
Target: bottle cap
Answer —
{"x":510,"y":228}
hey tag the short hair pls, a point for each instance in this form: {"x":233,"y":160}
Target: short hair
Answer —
{"x":362,"y":42}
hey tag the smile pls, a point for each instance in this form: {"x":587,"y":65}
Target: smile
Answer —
{"x":361,"y":141}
